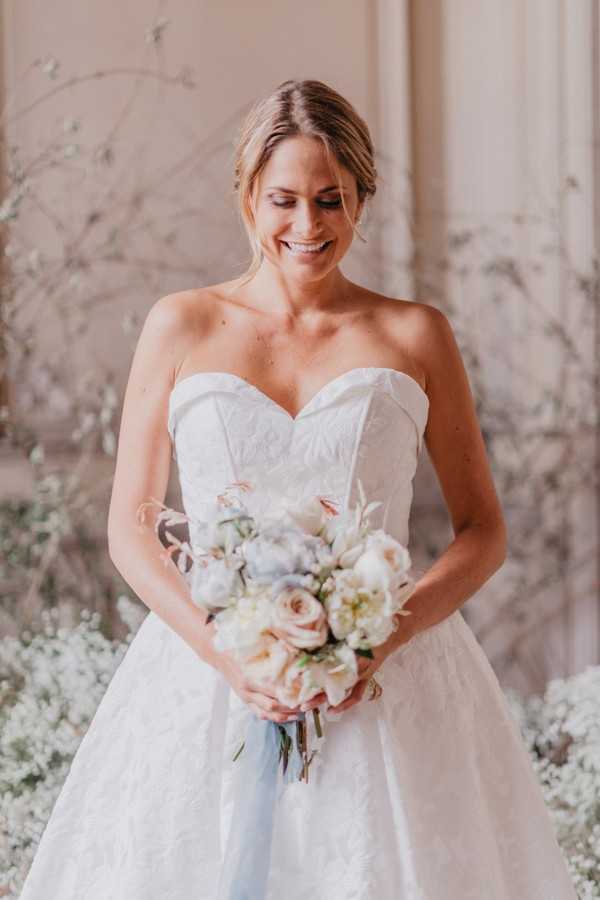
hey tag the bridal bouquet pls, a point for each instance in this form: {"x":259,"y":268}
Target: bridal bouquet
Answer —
{"x":296,"y":594}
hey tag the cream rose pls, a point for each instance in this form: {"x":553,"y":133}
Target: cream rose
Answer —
{"x":266,"y":660}
{"x":299,"y":619}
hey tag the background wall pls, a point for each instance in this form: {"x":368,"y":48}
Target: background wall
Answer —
{"x":117,"y":179}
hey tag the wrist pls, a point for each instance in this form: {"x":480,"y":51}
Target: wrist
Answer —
{"x":406,"y":630}
{"x":205,"y":647}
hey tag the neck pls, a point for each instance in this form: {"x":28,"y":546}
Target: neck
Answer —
{"x":275,"y":291}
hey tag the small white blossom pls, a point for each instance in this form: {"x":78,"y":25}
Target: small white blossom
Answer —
{"x":51,"y":67}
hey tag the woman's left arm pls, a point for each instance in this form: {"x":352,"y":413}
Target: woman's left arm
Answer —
{"x":457,"y":450}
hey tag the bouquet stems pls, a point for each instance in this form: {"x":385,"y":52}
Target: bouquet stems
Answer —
{"x":285,"y":744}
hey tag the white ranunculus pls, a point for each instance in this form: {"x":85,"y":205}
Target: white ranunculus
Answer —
{"x":384,"y":562}
{"x":361,"y":617}
{"x":299,"y":618}
{"x":215,"y":582}
{"x":241,"y":625}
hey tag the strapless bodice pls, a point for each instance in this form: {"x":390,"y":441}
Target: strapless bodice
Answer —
{"x":366,"y":424}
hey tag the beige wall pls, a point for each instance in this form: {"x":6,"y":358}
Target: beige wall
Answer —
{"x":481,"y":113}
{"x":505,"y":122}
{"x":170,"y":144}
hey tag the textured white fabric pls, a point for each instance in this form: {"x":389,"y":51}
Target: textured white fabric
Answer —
{"x":424,"y":794}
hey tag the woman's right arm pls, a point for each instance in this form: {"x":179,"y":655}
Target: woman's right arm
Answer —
{"x":141,"y":472}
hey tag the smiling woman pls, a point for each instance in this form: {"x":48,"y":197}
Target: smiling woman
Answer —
{"x":312,"y":230}
{"x":319,"y":134}
{"x":303,"y":385}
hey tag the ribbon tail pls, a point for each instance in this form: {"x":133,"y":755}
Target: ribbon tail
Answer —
{"x":246,"y":862}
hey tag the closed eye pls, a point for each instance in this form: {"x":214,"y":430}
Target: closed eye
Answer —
{"x":327,"y":204}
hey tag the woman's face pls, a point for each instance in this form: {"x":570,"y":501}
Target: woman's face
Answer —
{"x":299,"y":208}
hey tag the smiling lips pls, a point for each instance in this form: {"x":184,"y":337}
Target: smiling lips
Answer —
{"x":305,"y":249}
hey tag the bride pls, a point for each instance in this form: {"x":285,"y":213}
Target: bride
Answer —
{"x":296,"y":379}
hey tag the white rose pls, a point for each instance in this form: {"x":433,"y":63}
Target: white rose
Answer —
{"x":309,"y":514}
{"x":215,"y":582}
{"x":304,"y":513}
{"x":299,"y":619}
{"x":383,"y":564}
{"x":241,"y":625}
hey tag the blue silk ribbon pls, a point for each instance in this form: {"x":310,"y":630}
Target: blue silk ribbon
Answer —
{"x":245,"y":868}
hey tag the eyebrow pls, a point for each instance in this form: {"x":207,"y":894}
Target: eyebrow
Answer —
{"x":331,"y":187}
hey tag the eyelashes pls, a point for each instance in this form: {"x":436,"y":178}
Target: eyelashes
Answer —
{"x":326,"y":204}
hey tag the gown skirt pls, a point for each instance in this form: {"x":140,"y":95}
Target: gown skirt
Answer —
{"x":426,"y":793}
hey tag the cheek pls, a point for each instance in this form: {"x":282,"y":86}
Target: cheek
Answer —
{"x":272,"y":221}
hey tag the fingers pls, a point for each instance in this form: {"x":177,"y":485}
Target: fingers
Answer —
{"x":271,"y":716}
{"x":355,"y":696}
{"x":267,"y":707}
{"x":317,"y":700}
{"x":266,"y":691}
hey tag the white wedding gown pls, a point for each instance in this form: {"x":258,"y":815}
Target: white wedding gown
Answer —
{"x":426,"y":793}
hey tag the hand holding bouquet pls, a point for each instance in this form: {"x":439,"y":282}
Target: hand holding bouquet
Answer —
{"x":297,"y":595}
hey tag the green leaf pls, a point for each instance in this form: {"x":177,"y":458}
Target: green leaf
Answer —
{"x":238,"y":751}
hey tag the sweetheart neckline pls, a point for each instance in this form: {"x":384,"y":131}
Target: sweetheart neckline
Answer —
{"x":253,"y":388}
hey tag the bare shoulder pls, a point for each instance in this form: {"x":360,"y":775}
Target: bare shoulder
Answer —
{"x":176,"y":322}
{"x":181,"y":310}
{"x":420,"y":332}
{"x":433,"y":346}
{"x":411,"y":314}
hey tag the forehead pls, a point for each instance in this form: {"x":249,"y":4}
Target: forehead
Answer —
{"x":301,"y":164}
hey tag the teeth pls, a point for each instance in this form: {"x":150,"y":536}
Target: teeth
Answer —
{"x":305,"y":248}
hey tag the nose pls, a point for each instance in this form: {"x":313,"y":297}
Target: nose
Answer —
{"x":307,"y":222}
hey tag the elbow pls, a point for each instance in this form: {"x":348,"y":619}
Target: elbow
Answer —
{"x":497,"y":537}
{"x":116,"y":537}
{"x":113,"y":543}
{"x":492,"y":540}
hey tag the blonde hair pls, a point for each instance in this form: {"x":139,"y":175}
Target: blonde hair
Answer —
{"x":294,"y":108}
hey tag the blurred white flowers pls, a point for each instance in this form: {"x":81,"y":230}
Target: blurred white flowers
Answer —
{"x":51,"y":684}
{"x":562,"y":733}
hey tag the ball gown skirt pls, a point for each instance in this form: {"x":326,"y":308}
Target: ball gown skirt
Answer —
{"x":426,"y":793}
